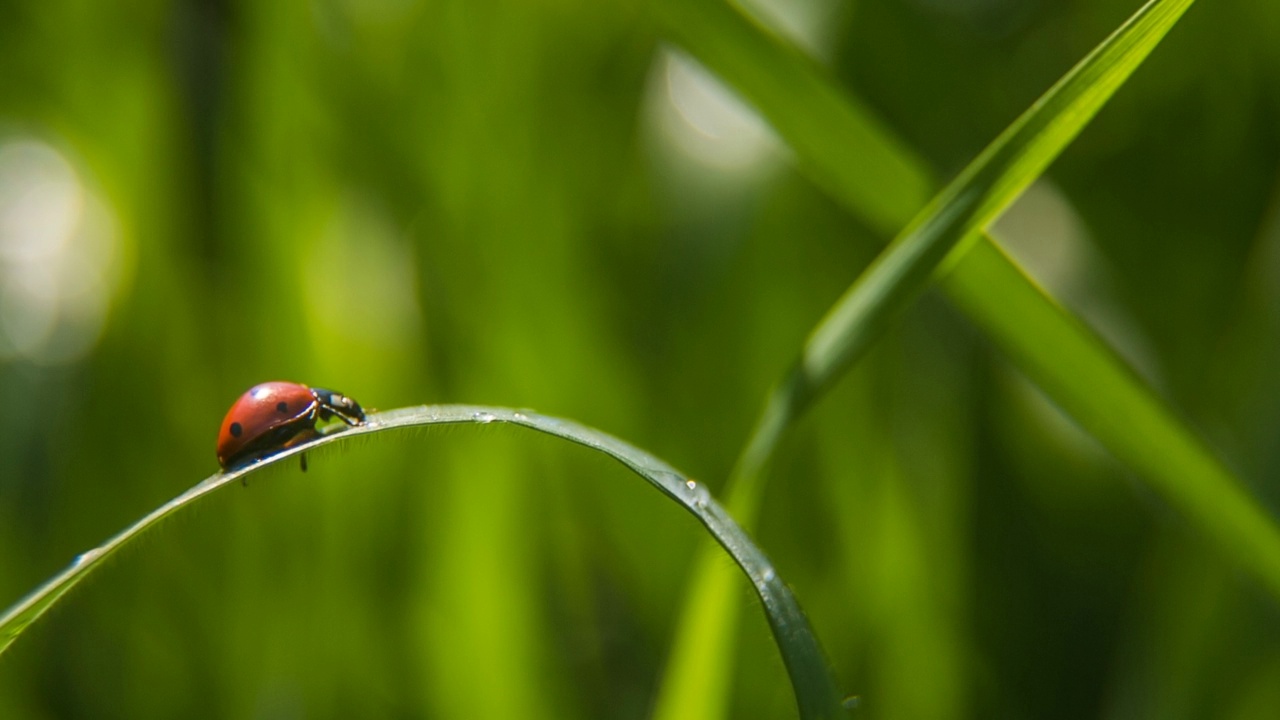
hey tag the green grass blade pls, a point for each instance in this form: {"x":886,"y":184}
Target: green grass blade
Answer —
{"x":954,"y":219}
{"x":838,"y":143}
{"x":794,"y":98}
{"x":1085,"y":377}
{"x":815,"y":690}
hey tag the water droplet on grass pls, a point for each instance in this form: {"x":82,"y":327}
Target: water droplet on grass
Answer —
{"x":85,"y":557}
{"x":484,"y":417}
{"x":700,"y":495}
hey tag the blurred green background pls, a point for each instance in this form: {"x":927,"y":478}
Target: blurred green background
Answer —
{"x":539,"y":203}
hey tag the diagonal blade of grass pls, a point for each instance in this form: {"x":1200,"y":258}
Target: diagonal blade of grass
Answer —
{"x":1115,"y":405}
{"x":940,"y":235}
{"x":837,"y":142}
{"x":810,"y":676}
{"x":997,"y":295}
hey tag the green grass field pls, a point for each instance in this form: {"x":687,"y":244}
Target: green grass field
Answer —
{"x":967,"y":314}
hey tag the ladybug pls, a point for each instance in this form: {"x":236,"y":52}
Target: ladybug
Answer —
{"x":278,"y":415}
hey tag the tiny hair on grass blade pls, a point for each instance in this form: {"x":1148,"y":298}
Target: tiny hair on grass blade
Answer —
{"x":811,"y":677}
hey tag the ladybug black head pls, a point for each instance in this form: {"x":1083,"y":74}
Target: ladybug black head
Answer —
{"x":335,"y":404}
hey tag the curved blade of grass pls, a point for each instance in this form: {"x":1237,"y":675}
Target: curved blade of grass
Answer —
{"x":810,"y":676}
{"x":1080,"y":372}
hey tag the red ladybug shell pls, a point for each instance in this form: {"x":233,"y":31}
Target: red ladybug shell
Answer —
{"x":266,"y":417}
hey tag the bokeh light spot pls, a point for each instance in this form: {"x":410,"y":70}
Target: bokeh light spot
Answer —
{"x":58,"y":256}
{"x":704,"y":121}
{"x":366,"y":290}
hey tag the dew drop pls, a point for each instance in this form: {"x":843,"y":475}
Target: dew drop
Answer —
{"x":85,"y":557}
{"x":484,"y":417}
{"x":768,"y":575}
{"x":691,"y":484}
{"x":520,"y":416}
{"x":701,"y":496}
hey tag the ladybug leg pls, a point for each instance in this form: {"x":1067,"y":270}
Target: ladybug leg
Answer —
{"x":327,"y":414}
{"x":298,"y":439}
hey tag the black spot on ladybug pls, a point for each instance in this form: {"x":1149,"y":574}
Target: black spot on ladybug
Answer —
{"x":282,"y":407}
{"x":236,"y":430}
